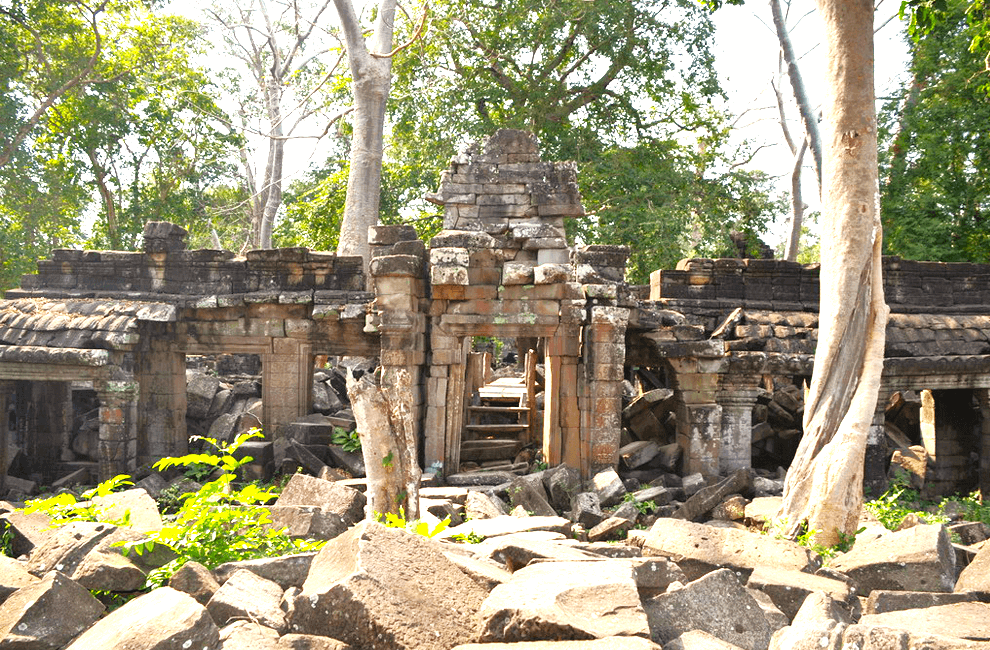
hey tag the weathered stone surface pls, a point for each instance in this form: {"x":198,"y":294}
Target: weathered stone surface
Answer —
{"x":13,"y":576}
{"x":818,"y":625}
{"x":310,"y":642}
{"x":515,"y":552}
{"x":608,"y":486}
{"x":654,"y":575}
{"x":376,"y":587}
{"x":976,"y":576}
{"x":47,"y":614}
{"x":962,"y":620}
{"x":486,"y":573}
{"x":564,"y":600}
{"x":562,"y":484}
{"x":698,"y":640}
{"x":196,"y":580}
{"x":469,"y":479}
{"x":788,"y":589}
{"x":247,"y":635}
{"x":715,"y":603}
{"x":27,"y":530}
{"x":610,"y":643}
{"x":246,"y":595}
{"x":140,"y":509}
{"x":707,"y":498}
{"x":881,"y":602}
{"x":867,"y":637}
{"x":611,"y":528}
{"x":351,"y":461}
{"x":479,"y":505}
{"x":529,"y":495}
{"x":307,"y":522}
{"x":164,"y":619}
{"x":586,"y":509}
{"x":638,"y":453}
{"x":303,"y":490}
{"x":916,"y":559}
{"x":509,"y":525}
{"x":776,"y":618}
{"x":286,"y":571}
{"x":698,"y":548}
{"x":200,"y":391}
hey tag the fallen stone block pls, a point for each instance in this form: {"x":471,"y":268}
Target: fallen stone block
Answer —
{"x":715,"y":603}
{"x":286,"y":571}
{"x":771,"y":612}
{"x":610,"y":643}
{"x":916,"y":559}
{"x":611,"y":528}
{"x":303,"y":490}
{"x":654,"y":575}
{"x":961,"y":620}
{"x":247,"y":635}
{"x":639,"y":453}
{"x":706,"y":498}
{"x":818,"y":625}
{"x":310,"y":642}
{"x":47,"y":614}
{"x":868,"y":637}
{"x":514,"y":552}
{"x":469,"y":479}
{"x":196,"y":580}
{"x":698,"y":549}
{"x":246,"y":595}
{"x":378,"y":587}
{"x":881,"y":601}
{"x":352,"y":461}
{"x":487,"y":573}
{"x":698,"y":640}
{"x":608,"y":486}
{"x":140,"y":510}
{"x":27,"y":530}
{"x":164,"y":619}
{"x":479,"y":505}
{"x":530,"y":496}
{"x":788,"y":589}
{"x":586,"y":509}
{"x":306,"y":522}
{"x":508,"y":525}
{"x":976,"y":576}
{"x":564,"y":600}
{"x":13,"y":576}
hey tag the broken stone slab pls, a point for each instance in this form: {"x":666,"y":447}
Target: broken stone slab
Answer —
{"x":564,"y":600}
{"x":715,"y":603}
{"x":47,"y":614}
{"x":247,"y":635}
{"x":788,"y":589}
{"x":699,"y":548}
{"x":970,"y":532}
{"x":135,"y":504}
{"x":286,"y":571}
{"x":351,"y":461}
{"x":916,"y":559}
{"x":586,"y":509}
{"x":469,"y":479}
{"x":867,"y":637}
{"x":479,"y":505}
{"x":196,"y":580}
{"x":310,"y":642}
{"x":246,"y":595}
{"x":608,"y":486}
{"x":881,"y":601}
{"x":692,"y":483}
{"x":13,"y":576}
{"x":976,"y":576}
{"x":529,"y":495}
{"x":639,"y":453}
{"x":776,"y":618}
{"x":818,"y":625}
{"x":698,"y":640}
{"x":562,"y":484}
{"x":164,"y":619}
{"x":374,"y":583}
{"x":961,"y":620}
{"x":27,"y":530}
{"x":200,"y":391}
{"x":303,"y":490}
{"x":508,"y":525}
{"x":442,"y":509}
{"x":701,"y":502}
{"x":763,"y":509}
{"x":609,"y":643}
{"x":733,"y":508}
{"x":486,"y":573}
{"x":654,"y":575}
{"x":306,"y":522}
{"x":514,"y":552}
{"x":611,"y":528}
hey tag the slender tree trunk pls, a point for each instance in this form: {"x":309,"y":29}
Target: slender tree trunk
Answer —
{"x":273,"y":172}
{"x":797,"y":205}
{"x":108,"y":203}
{"x":372,"y":77}
{"x":808,"y":117}
{"x":824,"y":486}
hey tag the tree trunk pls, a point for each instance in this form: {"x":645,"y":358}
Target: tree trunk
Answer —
{"x":797,"y":206}
{"x":824,"y":486}
{"x":372,"y":77}
{"x":388,"y":441}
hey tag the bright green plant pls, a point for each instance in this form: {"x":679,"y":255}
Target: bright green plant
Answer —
{"x":6,"y":539}
{"x":643,"y":507}
{"x":468,"y":538}
{"x":393,"y":520}
{"x":899,"y":501}
{"x":66,"y":507}
{"x":348,"y":440}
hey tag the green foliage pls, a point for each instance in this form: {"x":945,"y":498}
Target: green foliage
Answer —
{"x":6,"y":539}
{"x":468,"y":538}
{"x":492,"y":344}
{"x":416,"y":526}
{"x":900,"y":500}
{"x":935,"y":148}
{"x":926,"y":16}
{"x":348,"y":440}
{"x":643,"y":507}
{"x":65,"y":507}
{"x":808,"y":539}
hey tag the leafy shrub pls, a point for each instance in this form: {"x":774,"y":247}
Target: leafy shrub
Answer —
{"x":65,"y":506}
{"x":393,"y":520}
{"x":347,"y":440}
{"x":900,"y":500}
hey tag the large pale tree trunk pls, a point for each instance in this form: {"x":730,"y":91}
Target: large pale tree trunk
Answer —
{"x":388,"y":441}
{"x":371,"y":70}
{"x":824,"y":486}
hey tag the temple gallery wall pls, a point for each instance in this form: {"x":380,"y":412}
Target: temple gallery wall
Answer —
{"x":710,"y":356}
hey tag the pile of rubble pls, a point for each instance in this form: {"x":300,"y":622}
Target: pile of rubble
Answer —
{"x":532,"y":579}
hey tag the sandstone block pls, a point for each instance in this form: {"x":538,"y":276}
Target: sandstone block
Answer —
{"x":976,"y":576}
{"x":247,"y":635}
{"x":310,"y":642}
{"x":47,"y":614}
{"x":916,"y":559}
{"x":196,"y":580}
{"x":479,"y":505}
{"x":586,"y":510}
{"x":13,"y":576}
{"x":515,"y":552}
{"x":286,"y":571}
{"x":246,"y":595}
{"x":609,"y":487}
{"x":509,"y":525}
{"x":564,"y":600}
{"x":867,"y":637}
{"x":788,"y":589}
{"x":562,"y":483}
{"x":818,"y":625}
{"x":610,"y":643}
{"x":303,"y":490}
{"x":881,"y":601}
{"x":961,"y":620}
{"x":698,"y":640}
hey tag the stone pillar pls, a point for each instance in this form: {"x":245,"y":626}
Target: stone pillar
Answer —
{"x":601,"y":396}
{"x":561,"y":411}
{"x":118,"y":427}
{"x":287,"y":384}
{"x":927,"y":417}
{"x":699,"y":417}
{"x":6,"y":401}
{"x":161,"y":374}
{"x":983,"y":398}
{"x":877,"y":451}
{"x":445,"y":401}
{"x":737,"y":397}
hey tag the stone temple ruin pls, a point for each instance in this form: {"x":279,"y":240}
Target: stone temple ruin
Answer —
{"x":711,"y":356}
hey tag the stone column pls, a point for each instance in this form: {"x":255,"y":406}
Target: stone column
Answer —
{"x":287,"y":384}
{"x":561,"y":414}
{"x":877,"y":451}
{"x":699,"y":417}
{"x":161,"y":373}
{"x":445,"y":401}
{"x":737,"y":397}
{"x":6,"y":398}
{"x":601,"y":399}
{"x":118,"y":427}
